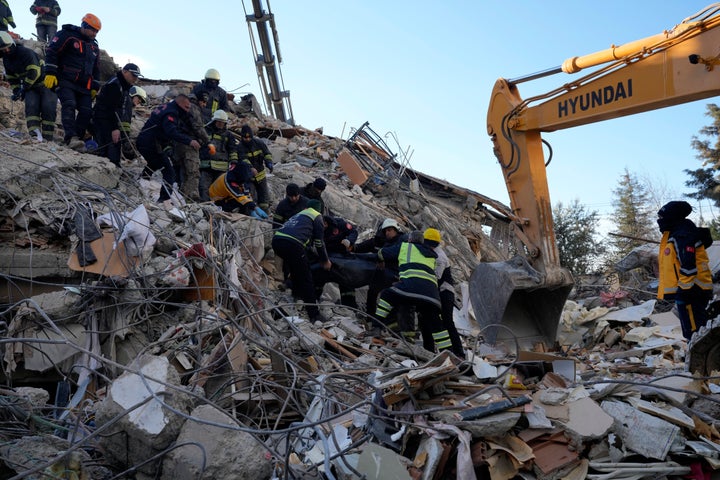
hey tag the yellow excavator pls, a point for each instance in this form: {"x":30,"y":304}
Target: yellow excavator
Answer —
{"x":527,"y":293}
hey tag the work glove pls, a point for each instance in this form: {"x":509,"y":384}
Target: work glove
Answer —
{"x":51,"y":81}
{"x":18,"y":94}
{"x":269,"y":166}
{"x":211,"y":149}
{"x":259,"y":213}
{"x":345,"y":243}
{"x":93,"y":94}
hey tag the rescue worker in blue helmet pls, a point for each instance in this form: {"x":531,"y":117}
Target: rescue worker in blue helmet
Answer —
{"x":685,"y":274}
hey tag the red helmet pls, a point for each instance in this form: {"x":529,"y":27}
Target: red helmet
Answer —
{"x":92,"y":21}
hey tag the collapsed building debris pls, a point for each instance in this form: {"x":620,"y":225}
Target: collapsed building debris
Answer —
{"x":145,"y":342}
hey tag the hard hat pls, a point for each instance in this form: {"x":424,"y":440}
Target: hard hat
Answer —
{"x":388,"y":223}
{"x":432,"y":234}
{"x":220,"y":115}
{"x":6,"y":40}
{"x":92,"y":21}
{"x":212,"y":74}
{"x":139,"y":92}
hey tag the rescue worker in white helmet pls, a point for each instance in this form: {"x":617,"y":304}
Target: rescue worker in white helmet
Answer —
{"x":25,"y":73}
{"x":217,"y":96}
{"x":216,"y":160}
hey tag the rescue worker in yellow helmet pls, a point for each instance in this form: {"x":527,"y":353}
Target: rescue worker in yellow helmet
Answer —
{"x":446,"y":284}
{"x":685,"y":274}
{"x":417,"y":287}
{"x":217,"y":96}
{"x":257,"y":156}
{"x":72,"y":71}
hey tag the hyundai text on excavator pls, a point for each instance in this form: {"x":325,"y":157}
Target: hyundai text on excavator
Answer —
{"x":527,"y":293}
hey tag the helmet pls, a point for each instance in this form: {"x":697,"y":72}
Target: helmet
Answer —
{"x":139,"y":92}
{"x":212,"y":74}
{"x":388,"y":223}
{"x":432,"y":234}
{"x":220,"y":115}
{"x":92,"y":21}
{"x":6,"y":40}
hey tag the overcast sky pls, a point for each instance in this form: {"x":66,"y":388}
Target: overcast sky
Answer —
{"x":421,"y":72}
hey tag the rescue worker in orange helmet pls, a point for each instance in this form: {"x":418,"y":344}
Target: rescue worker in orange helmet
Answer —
{"x":72,"y":71}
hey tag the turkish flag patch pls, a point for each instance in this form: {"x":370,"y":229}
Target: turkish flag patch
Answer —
{"x":690,"y":249}
{"x":171,"y":118}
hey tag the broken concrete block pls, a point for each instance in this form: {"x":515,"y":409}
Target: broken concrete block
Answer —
{"x":380,"y":463}
{"x":146,"y":426}
{"x":641,"y":432}
{"x":226,"y":451}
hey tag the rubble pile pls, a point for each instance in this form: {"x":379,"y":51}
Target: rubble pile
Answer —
{"x":143,"y":341}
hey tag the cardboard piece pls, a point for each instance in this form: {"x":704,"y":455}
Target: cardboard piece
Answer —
{"x":352,"y":168}
{"x":110,"y":261}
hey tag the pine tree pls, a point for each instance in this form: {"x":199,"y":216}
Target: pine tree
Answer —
{"x":705,"y":179}
{"x":576,"y":230}
{"x":634,"y":217}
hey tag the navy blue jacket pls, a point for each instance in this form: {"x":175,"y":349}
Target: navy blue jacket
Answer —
{"x":74,"y":59}
{"x":163,"y":126}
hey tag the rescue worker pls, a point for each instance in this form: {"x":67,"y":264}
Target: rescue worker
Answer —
{"x":216,"y":160}
{"x":138,"y":97}
{"x":6,"y":16}
{"x":112,"y":112}
{"x":72,"y":58}
{"x":314,"y":190}
{"x":47,"y":12}
{"x":155,"y":140}
{"x":389,"y":233}
{"x":229,"y":193}
{"x":340,"y":236}
{"x":290,"y":205}
{"x":446,"y":284}
{"x":186,"y":158}
{"x":217,"y":96}
{"x":418,"y":287}
{"x":290,"y":243}
{"x":256,"y":154}
{"x":25,"y":73}
{"x":685,"y":274}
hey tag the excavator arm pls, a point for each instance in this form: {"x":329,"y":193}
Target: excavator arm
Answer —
{"x":526,"y":294}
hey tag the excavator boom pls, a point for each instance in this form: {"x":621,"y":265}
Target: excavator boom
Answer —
{"x":527,"y":293}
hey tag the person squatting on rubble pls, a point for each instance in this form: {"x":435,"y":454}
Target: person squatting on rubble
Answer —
{"x":388,"y":233}
{"x":256,"y":154}
{"x":6,"y":16}
{"x":340,"y":236}
{"x":290,"y":242}
{"x":446,"y":283}
{"x":418,"y":287}
{"x":71,"y":67}
{"x":314,"y":191}
{"x":186,"y":158}
{"x":24,"y":71}
{"x":221,"y":152}
{"x":685,"y":274}
{"x":155,"y":140}
{"x":112,"y":113}
{"x":47,"y":12}
{"x":217,"y":98}
{"x":229,"y":193}
{"x":290,"y":205}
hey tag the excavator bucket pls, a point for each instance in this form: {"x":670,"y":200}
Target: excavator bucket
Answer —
{"x":515,"y":295}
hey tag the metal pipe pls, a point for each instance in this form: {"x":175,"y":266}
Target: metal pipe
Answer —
{"x":268,"y":58}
